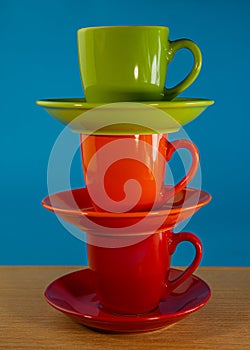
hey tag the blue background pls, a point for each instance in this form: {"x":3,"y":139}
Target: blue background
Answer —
{"x":39,"y":60}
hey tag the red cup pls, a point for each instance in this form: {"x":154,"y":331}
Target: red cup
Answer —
{"x":126,"y":173}
{"x":132,"y":279}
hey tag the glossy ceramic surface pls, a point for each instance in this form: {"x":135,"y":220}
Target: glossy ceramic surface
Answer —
{"x":76,"y":208}
{"x":110,"y":162}
{"x":73,"y":112}
{"x":74,"y":295}
{"x":129,"y":63}
{"x":124,"y":268}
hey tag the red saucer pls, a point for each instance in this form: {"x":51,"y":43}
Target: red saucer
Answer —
{"x":75,"y":207}
{"x":74,"y":295}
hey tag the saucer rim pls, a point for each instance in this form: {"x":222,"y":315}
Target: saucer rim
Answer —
{"x":135,"y":214}
{"x":128,"y":318}
{"x":80,"y":103}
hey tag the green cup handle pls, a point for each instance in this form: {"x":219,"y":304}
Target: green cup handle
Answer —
{"x":176,"y":45}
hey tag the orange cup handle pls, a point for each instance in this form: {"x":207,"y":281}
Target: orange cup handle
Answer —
{"x":176,"y":239}
{"x":171,"y":148}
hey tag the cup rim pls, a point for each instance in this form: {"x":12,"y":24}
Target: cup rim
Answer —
{"x":122,"y":27}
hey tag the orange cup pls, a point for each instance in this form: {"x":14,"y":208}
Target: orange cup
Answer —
{"x":126,"y":173}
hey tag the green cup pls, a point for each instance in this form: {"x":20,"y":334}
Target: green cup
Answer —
{"x":130,"y":63}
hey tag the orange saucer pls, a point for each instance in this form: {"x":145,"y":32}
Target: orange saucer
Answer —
{"x":74,"y":207}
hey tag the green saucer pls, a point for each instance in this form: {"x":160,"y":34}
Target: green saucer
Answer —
{"x":125,"y":118}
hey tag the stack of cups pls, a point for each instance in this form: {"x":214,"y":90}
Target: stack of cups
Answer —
{"x":124,"y":172}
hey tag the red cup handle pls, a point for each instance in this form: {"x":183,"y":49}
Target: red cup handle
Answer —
{"x":171,"y":148}
{"x":176,"y":239}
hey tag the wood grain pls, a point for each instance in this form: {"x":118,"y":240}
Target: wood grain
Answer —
{"x":28,"y":322}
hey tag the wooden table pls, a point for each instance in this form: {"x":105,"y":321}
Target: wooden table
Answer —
{"x":28,"y":322}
